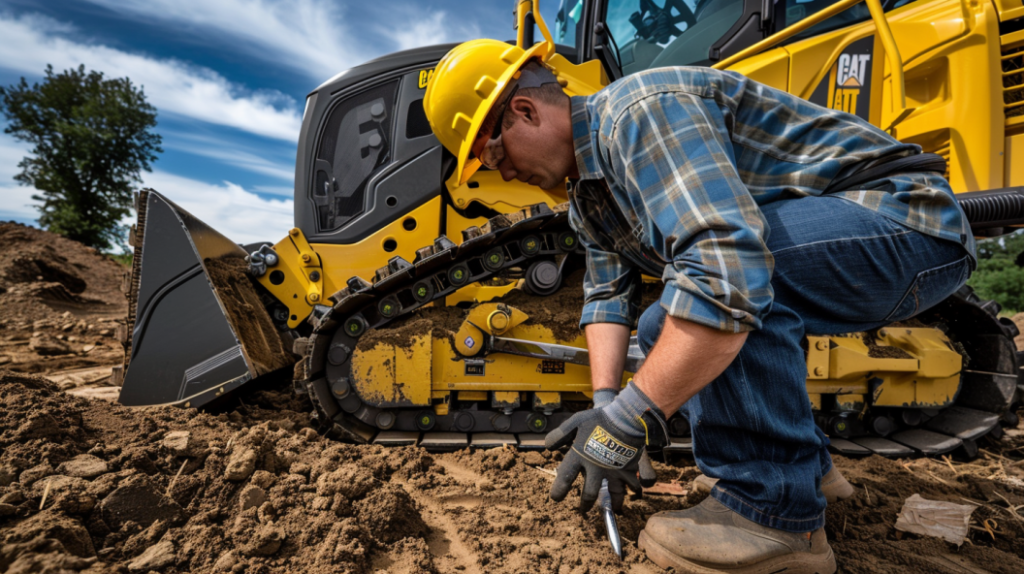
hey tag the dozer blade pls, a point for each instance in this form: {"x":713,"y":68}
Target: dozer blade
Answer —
{"x":197,"y":327}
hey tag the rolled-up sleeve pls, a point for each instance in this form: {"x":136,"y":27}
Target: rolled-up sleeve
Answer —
{"x":680,"y":172}
{"x":611,"y":290}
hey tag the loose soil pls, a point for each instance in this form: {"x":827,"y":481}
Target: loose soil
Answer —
{"x":60,"y":306}
{"x":249,"y":486}
{"x":245,"y":312}
{"x":252,"y":488}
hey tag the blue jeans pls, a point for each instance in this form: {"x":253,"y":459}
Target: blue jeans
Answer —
{"x":839,"y":268}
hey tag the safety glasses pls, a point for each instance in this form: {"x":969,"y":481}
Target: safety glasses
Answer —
{"x":487,"y":147}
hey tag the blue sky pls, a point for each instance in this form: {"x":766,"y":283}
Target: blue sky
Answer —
{"x":229,"y":79}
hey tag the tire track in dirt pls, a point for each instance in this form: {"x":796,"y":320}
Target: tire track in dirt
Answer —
{"x":444,"y":541}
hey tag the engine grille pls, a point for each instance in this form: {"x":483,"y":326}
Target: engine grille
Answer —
{"x":1013,"y":80}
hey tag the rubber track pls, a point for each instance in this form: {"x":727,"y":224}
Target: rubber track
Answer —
{"x":504,"y":242}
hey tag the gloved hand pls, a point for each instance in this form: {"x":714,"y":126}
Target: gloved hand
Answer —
{"x":604,"y":397}
{"x":607,"y":443}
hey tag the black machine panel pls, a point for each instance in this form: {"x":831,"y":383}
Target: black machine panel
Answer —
{"x":373,"y":155}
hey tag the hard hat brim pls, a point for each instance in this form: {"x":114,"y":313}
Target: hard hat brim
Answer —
{"x":466,"y":165}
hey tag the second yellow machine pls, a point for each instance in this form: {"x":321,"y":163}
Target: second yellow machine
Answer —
{"x":401,"y":299}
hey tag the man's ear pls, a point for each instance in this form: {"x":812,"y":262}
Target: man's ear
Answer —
{"x":525,"y":108}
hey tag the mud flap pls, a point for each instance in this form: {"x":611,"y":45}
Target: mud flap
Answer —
{"x":196,"y":327}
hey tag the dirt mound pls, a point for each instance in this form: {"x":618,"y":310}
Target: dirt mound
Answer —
{"x":254,"y":489}
{"x":60,"y":305}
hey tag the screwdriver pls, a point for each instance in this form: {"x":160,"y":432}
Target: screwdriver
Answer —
{"x":604,"y":499}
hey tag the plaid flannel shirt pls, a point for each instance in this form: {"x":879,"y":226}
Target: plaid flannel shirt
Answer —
{"x":674,"y":163}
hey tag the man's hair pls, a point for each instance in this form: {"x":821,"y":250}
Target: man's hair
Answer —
{"x":550,"y":94}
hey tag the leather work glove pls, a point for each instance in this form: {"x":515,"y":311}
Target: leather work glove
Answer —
{"x":607,"y":443}
{"x":604,"y":397}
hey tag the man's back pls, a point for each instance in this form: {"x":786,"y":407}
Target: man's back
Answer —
{"x":781,"y":146}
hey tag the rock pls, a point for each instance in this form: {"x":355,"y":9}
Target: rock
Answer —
{"x":267,"y":541}
{"x":67,"y":493}
{"x":15,"y":497}
{"x":84,"y":466}
{"x":251,"y":497}
{"x":48,"y":346}
{"x":226,"y":561}
{"x":536,"y":550}
{"x":155,"y":557}
{"x":263,"y":479}
{"x":47,"y":524}
{"x":4,"y":359}
{"x":178,"y":442}
{"x":7,"y":475}
{"x":309,"y":434}
{"x":7,"y":509}
{"x":534,"y":458}
{"x":106,"y":332}
{"x":139,"y":501}
{"x":300,"y":468}
{"x":241,"y":465}
{"x":30,"y":476}
{"x":38,"y":425}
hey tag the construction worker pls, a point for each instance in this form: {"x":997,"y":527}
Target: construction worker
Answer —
{"x":767,"y":217}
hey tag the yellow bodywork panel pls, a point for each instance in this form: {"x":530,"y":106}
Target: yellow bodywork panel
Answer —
{"x":952,"y":78}
{"x":904,"y":367}
{"x":336,"y":264}
{"x":392,"y":375}
{"x":291,"y":280}
{"x":363,"y":258}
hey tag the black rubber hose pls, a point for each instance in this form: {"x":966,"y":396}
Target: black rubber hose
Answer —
{"x":996,"y":208}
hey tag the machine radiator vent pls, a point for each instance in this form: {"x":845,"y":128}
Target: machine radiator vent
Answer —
{"x":1013,"y":80}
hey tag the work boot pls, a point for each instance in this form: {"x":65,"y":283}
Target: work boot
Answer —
{"x":712,"y":538}
{"x":833,"y":485}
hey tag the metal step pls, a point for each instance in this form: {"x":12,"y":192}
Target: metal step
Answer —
{"x":493,"y":439}
{"x":963,"y":423}
{"x":531,"y":441}
{"x":883,"y":446}
{"x":396,"y":438}
{"x":680,"y":444}
{"x":928,"y":442}
{"x":848,"y":448}
{"x":444,"y":441}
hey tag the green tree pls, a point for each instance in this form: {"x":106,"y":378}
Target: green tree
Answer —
{"x":999,"y":276}
{"x":92,"y":138}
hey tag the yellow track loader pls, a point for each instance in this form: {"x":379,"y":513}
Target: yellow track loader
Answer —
{"x":401,"y":299}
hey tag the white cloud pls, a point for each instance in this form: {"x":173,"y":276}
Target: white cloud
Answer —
{"x":238,"y":214}
{"x":315,"y":37}
{"x":31,"y":42}
{"x":238,"y":158}
{"x":428,"y":29}
{"x":15,"y":200}
{"x":312,"y":36}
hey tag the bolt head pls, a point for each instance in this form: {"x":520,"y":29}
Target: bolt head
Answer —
{"x":819,"y":372}
{"x":820,"y":345}
{"x":305,"y":258}
{"x":314,"y":297}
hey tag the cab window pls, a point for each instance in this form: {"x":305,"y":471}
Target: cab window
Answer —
{"x":654,"y":33}
{"x":795,"y":10}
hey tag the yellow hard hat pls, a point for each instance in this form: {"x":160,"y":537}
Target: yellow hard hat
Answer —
{"x":464,"y":87}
